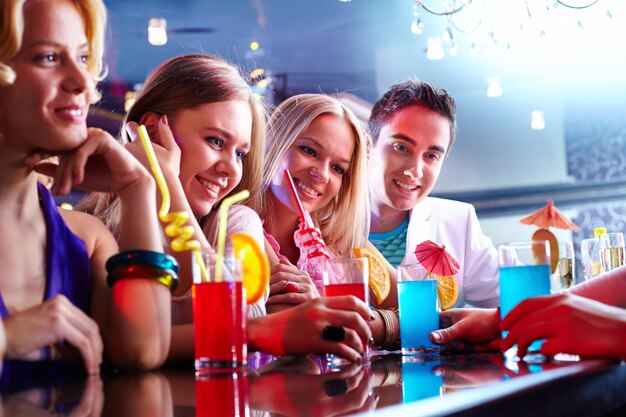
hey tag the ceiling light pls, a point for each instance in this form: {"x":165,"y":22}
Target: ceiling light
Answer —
{"x":494,"y":87}
{"x":537,"y":120}
{"x":435,"y":51}
{"x":157,"y":32}
{"x":257,"y":73}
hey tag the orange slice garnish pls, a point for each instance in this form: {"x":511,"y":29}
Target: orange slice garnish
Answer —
{"x":448,"y":292}
{"x":254,"y":264}
{"x":380,"y":283}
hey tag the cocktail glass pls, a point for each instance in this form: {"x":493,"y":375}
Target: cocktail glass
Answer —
{"x":590,"y":257}
{"x":611,"y":250}
{"x":419,"y":309}
{"x":219,"y":310}
{"x":524,"y":273}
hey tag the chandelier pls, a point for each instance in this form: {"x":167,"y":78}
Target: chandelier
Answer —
{"x":489,"y":24}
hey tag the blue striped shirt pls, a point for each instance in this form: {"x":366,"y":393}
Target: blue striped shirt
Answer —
{"x":392,"y":244}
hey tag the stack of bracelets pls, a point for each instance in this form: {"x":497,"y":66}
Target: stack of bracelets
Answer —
{"x":143,"y":264}
{"x":392,"y":329}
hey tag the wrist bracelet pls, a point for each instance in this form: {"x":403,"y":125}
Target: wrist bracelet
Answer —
{"x":167,"y":277}
{"x":143,"y":257}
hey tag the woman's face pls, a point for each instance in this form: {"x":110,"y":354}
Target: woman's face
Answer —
{"x":318,"y":159}
{"x":45,"y":109}
{"x":214,"y":139}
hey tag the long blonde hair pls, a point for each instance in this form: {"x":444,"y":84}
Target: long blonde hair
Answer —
{"x":186,"y":82}
{"x":344,"y":221}
{"x":94,"y":17}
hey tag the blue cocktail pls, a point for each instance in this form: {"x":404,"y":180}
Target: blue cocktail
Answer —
{"x":419,"y":312}
{"x":524,"y":273}
{"x":518,"y":283}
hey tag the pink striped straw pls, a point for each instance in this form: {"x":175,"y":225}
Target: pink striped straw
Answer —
{"x":304,"y":217}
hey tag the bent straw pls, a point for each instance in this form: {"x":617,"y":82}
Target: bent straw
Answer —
{"x":304,"y":217}
{"x":223,"y":224}
{"x":176,"y":220}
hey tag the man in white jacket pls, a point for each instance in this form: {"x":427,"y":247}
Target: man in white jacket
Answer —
{"x":413,"y":128}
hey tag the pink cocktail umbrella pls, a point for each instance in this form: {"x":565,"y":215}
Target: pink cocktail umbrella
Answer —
{"x":549,"y":216}
{"x":435,"y":259}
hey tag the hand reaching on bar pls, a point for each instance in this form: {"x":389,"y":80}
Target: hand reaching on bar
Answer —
{"x":468,"y":330}
{"x":569,"y":324}
{"x":304,"y":329}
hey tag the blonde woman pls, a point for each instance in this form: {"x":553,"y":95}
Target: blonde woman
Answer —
{"x":322,"y":144}
{"x":54,"y":289}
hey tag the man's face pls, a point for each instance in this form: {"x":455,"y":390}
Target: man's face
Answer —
{"x":408,"y":156}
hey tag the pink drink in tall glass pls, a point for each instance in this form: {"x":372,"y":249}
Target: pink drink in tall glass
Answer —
{"x":219,"y":311}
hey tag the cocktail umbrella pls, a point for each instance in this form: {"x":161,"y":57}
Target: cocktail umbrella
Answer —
{"x":435,"y":259}
{"x":549,"y":216}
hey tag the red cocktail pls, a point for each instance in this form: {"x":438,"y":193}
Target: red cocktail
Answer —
{"x":220,"y":339}
{"x":359,"y":290}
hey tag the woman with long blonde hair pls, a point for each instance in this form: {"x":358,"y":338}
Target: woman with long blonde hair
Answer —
{"x":322,"y":144}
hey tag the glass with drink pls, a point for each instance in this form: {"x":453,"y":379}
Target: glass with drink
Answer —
{"x":590,"y":257}
{"x":419,"y":309}
{"x":563,"y":276}
{"x":524,"y":273}
{"x":611,"y":250}
{"x":347,"y":277}
{"x":219,"y":311}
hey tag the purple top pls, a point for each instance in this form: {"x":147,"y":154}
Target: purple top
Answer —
{"x":67,"y":261}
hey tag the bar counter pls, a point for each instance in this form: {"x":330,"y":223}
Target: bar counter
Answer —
{"x":389,"y":385}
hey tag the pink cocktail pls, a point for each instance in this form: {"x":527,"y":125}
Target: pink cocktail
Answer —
{"x":359,"y":290}
{"x":346,"y":277}
{"x":219,"y":311}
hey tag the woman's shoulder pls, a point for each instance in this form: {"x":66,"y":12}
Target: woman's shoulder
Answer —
{"x":88,"y":228}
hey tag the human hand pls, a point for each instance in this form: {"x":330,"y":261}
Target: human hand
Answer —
{"x":468,"y":330}
{"x":290,"y":285}
{"x":331,"y":394}
{"x":299,"y":330}
{"x":99,"y":164}
{"x":52,"y":321}
{"x":569,"y":324}
{"x":165,"y":147}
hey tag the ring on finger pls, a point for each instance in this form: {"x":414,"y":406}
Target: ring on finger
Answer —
{"x":334,"y":333}
{"x":291,"y":287}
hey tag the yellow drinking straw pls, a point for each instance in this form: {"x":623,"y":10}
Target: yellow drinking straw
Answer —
{"x":221,"y":231}
{"x":176,"y":220}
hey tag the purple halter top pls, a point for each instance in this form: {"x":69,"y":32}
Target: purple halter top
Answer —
{"x":67,"y":262}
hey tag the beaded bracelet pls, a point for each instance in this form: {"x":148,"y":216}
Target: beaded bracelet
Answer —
{"x":167,"y":277}
{"x":143,"y":264}
{"x":143,"y":257}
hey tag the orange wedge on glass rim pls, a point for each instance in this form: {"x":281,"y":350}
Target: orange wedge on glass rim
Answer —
{"x":255,"y":267}
{"x":448,"y":291}
{"x":380,"y":283}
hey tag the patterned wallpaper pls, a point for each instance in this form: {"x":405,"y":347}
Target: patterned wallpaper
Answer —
{"x":595,"y":134}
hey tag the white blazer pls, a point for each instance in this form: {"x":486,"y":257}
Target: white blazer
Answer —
{"x":455,"y":225}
